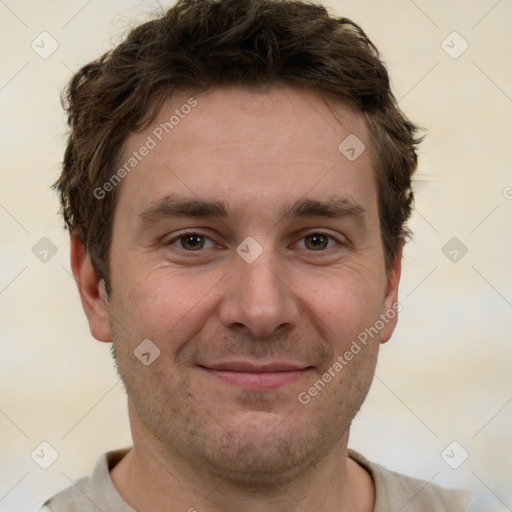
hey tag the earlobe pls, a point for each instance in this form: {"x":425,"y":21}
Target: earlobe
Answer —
{"x":391,"y":306}
{"x":92,"y":291}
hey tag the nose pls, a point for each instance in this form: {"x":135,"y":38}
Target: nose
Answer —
{"x":258,"y":298}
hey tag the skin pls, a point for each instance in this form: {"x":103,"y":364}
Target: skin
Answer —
{"x":199,"y":441}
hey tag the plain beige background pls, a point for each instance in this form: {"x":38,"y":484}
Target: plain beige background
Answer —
{"x":445,"y":375}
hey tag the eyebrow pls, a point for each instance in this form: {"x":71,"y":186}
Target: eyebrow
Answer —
{"x":170,"y":206}
{"x":335,"y":207}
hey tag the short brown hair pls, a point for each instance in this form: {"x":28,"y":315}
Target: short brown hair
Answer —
{"x":202,"y":44}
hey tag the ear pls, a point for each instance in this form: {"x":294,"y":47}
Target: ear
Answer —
{"x":92,"y":291}
{"x":390,"y":305}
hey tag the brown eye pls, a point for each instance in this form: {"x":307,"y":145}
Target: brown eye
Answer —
{"x":316,"y":241}
{"x":192,"y":241}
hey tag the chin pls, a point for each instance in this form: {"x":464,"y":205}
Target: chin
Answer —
{"x":262,"y":451}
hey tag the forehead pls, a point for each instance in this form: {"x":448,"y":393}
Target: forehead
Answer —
{"x":222,"y":118}
{"x":240,"y":146}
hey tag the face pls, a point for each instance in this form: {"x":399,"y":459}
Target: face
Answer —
{"x":247,"y":248}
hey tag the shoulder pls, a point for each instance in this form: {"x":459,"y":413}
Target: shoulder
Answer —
{"x":394,"y":491}
{"x":92,"y":492}
{"x":72,"y":499}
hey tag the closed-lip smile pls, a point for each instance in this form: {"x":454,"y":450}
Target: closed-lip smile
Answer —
{"x":257,"y":376}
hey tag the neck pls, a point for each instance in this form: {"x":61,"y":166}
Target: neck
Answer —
{"x":151,"y":480}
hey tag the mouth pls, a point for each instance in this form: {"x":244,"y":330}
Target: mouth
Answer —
{"x":255,"y":376}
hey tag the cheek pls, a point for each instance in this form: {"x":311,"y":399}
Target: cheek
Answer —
{"x":162,"y":302}
{"x":346,"y":303}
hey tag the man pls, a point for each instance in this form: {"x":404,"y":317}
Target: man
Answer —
{"x":236,"y":185}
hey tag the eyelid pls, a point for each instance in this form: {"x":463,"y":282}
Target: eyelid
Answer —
{"x":191,"y":231}
{"x":338,"y":239}
{"x":182,"y":234}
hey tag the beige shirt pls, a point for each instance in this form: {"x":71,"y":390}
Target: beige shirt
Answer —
{"x":393,"y":492}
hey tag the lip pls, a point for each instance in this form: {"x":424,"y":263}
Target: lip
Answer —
{"x":247,"y":366}
{"x":256,"y":376}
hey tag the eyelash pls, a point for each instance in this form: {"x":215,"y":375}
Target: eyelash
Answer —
{"x":188,"y":233}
